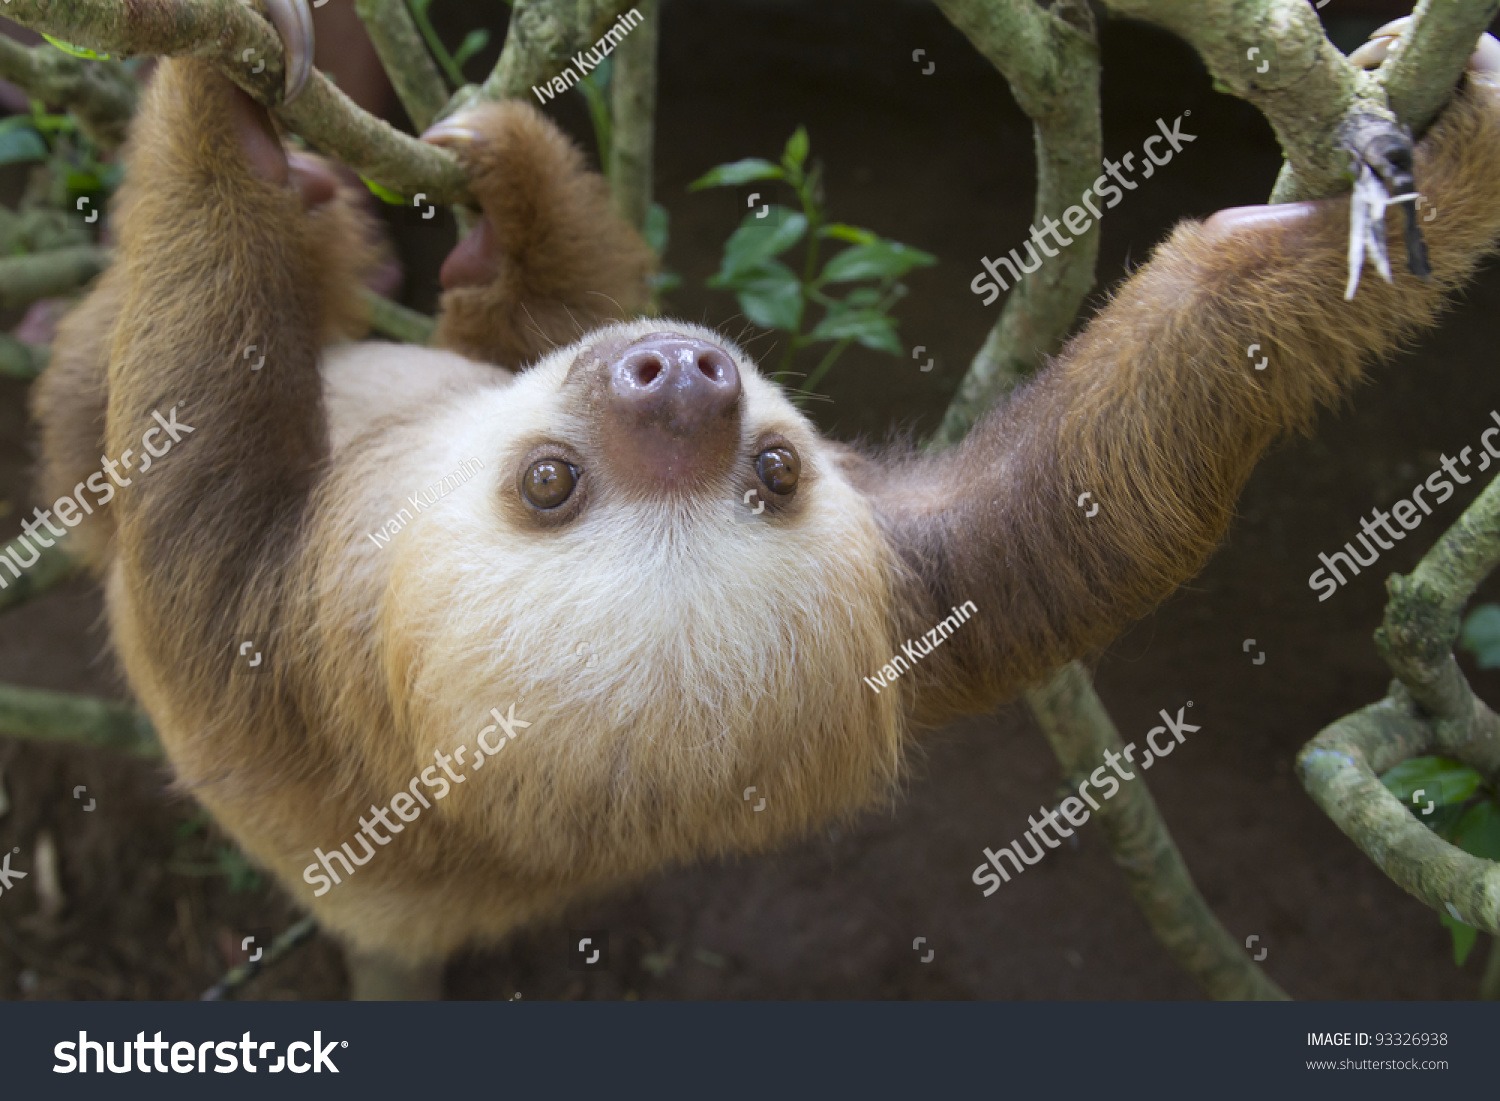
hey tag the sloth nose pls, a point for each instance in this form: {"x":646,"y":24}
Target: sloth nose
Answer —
{"x":672,"y":410}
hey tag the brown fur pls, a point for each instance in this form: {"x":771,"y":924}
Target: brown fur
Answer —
{"x":1156,"y":410}
{"x":727,"y":656}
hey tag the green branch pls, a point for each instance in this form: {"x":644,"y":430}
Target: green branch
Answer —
{"x":51,"y":569}
{"x":633,"y":98}
{"x":100,"y":94}
{"x":246,"y":49}
{"x":396,"y":321}
{"x":1051,"y":61}
{"x":43,"y":716}
{"x":1081,"y":731}
{"x":402,"y":53}
{"x":26,"y":279}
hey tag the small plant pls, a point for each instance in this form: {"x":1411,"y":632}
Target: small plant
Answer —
{"x":773,"y":296}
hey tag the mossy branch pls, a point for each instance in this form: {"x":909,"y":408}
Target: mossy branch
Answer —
{"x":21,"y":360}
{"x":1080,"y":731}
{"x":237,"y":41}
{"x":633,"y":105}
{"x":1430,"y":709}
{"x":1341,"y":768}
{"x":1050,"y":57}
{"x":26,"y":279}
{"x":38,"y":715}
{"x":404,"y":56}
{"x":100,"y":94}
{"x":1051,"y":60}
{"x":397,"y":321}
{"x":51,"y":569}
{"x":1308,"y":90}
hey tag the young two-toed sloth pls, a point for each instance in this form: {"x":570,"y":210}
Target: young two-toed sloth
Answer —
{"x":521,"y":637}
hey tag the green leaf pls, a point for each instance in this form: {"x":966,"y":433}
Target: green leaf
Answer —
{"x":473,"y":42}
{"x":869,"y":327}
{"x":756,"y":241}
{"x":1464,"y":937}
{"x":732,"y":175}
{"x":21,"y":145}
{"x":771,"y":296}
{"x":1478,"y":831}
{"x":384,"y":194}
{"x":1440,"y":780}
{"x":657,"y":228}
{"x":796,"y":151}
{"x":82,"y":183}
{"x":419,"y":6}
{"x":1481,"y":635}
{"x":853,"y":234}
{"x":76,"y":51}
{"x":880,"y":259}
{"x":663,"y":281}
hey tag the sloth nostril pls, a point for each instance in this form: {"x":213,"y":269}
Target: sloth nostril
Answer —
{"x":647,"y":370}
{"x":709,"y":368}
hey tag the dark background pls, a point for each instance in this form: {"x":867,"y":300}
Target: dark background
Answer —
{"x":943,"y":162}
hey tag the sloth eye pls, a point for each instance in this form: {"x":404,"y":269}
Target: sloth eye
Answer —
{"x":549,"y":483}
{"x":778,"y":468}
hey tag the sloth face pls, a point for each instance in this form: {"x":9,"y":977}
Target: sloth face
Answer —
{"x":662,"y":565}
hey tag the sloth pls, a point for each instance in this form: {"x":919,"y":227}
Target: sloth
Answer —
{"x":452,"y":638}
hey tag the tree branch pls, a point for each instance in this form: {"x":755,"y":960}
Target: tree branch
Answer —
{"x":543,"y":37}
{"x":237,"y":41}
{"x":1051,"y":61}
{"x":633,"y":98}
{"x":1421,"y":70}
{"x":25,"y":279}
{"x":52,"y":568}
{"x":1308,"y":90}
{"x":65,"y":717}
{"x":1080,"y":731}
{"x":1341,"y":768}
{"x":23,"y":361}
{"x":396,"y":321}
{"x":100,"y":94}
{"x":413,"y":72}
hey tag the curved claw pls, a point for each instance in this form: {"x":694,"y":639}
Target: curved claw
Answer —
{"x":293,"y":22}
{"x":451,"y":132}
{"x":1372,"y":54}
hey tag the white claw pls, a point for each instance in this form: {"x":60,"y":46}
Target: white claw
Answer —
{"x":293,"y":21}
{"x":1394,"y":29}
{"x":1486,"y":58}
{"x":1372,"y":54}
{"x":451,"y":131}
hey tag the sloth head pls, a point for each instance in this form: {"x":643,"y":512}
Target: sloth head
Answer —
{"x":663,"y":566}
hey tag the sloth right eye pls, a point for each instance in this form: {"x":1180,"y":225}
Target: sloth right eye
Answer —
{"x":549,"y":482}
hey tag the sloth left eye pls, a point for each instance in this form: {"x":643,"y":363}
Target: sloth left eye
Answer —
{"x":778,"y":468}
{"x":549,"y":483}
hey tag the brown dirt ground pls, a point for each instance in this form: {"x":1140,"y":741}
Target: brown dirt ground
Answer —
{"x":942,"y":162}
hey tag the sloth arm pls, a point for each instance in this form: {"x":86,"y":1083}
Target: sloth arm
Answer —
{"x":550,"y":260}
{"x":218,"y":253}
{"x":1157,"y":411}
